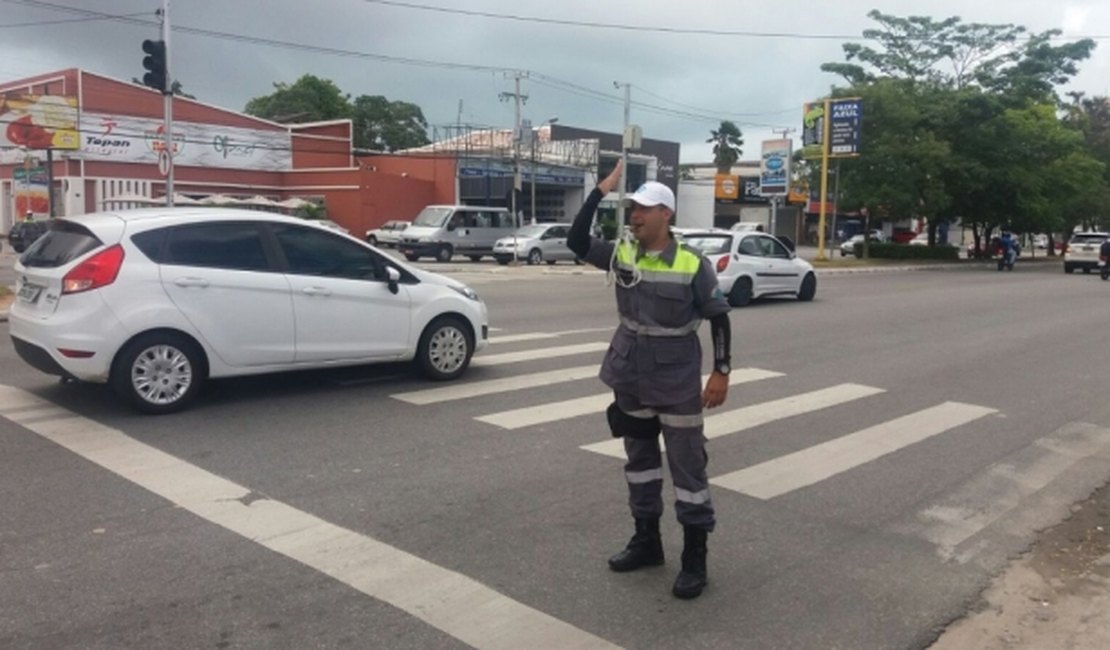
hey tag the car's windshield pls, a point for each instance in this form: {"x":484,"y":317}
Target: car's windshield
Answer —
{"x":709,"y":244}
{"x":530,"y":231}
{"x":432,"y":217}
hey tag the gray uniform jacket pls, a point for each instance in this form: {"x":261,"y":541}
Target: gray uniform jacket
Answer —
{"x":655,"y":353}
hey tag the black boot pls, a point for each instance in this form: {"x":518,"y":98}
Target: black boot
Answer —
{"x":644,"y":549}
{"x":693,"y":577}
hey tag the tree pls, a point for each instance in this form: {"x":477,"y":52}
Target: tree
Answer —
{"x":727,"y":142}
{"x":384,"y":125}
{"x":308,"y":99}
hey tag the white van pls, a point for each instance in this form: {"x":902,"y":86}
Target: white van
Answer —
{"x":442,"y":231}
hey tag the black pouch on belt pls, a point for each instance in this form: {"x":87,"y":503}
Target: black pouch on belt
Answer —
{"x":623,"y":424}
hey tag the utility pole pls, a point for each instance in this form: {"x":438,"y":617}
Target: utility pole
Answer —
{"x":775,"y":199}
{"x":518,"y":99}
{"x":167,"y":99}
{"x":624,"y":154}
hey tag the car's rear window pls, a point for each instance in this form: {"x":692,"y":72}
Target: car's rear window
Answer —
{"x":1088,"y":239}
{"x":63,"y":242}
{"x":709,"y":244}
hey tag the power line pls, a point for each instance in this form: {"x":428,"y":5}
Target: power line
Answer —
{"x":43,"y":23}
{"x":644,"y":28}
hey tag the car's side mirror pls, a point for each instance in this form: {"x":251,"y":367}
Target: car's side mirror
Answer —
{"x":393,"y":278}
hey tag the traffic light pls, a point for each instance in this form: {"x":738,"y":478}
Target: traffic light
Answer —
{"x":155,"y":64}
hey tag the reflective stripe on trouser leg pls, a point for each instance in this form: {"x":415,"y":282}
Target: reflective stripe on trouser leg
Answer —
{"x":685,"y":437}
{"x":644,"y":470}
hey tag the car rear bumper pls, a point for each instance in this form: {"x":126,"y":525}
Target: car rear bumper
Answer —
{"x":89,"y":329}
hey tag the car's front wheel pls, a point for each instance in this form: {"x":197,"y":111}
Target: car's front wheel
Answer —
{"x":535,"y":256}
{"x":372,"y":240}
{"x":445,"y":348}
{"x":444,"y":254}
{"x":808,"y":289}
{"x":159,"y":372}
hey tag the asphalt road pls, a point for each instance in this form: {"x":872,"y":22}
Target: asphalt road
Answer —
{"x":966,"y":406}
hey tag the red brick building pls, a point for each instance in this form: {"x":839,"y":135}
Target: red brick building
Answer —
{"x":111,"y":146}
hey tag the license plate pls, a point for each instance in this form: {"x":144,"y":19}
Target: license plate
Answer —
{"x":29,"y":292}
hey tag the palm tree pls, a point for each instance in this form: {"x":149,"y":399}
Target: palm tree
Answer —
{"x":727,"y":141}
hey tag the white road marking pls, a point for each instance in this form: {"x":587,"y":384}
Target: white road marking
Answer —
{"x":538,"y":353}
{"x":459,"y":606}
{"x":539,"y":336}
{"x":819,"y":462}
{"x":1028,"y":490}
{"x":554,"y":411}
{"x":749,"y":417}
{"x":464,"y":390}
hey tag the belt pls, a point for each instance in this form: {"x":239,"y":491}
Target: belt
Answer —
{"x":655,"y":330}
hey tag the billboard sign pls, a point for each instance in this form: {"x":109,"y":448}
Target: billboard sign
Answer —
{"x":774,"y":168}
{"x":38,"y":121}
{"x":123,"y":138}
{"x":845,"y":118}
{"x":845,"y":121}
{"x":31,"y":191}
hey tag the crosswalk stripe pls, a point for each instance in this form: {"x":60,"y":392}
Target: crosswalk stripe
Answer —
{"x":538,"y":353}
{"x":540,"y":336}
{"x":749,"y":417}
{"x":494,"y":386}
{"x":554,"y":411}
{"x":474,"y":613}
{"x":819,"y":462}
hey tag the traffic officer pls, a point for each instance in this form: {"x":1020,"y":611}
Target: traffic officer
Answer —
{"x":664,"y":290}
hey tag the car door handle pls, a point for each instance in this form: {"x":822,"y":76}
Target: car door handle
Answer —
{"x":191,"y":282}
{"x":316,"y":291}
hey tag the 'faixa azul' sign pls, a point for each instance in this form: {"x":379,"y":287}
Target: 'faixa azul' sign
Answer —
{"x":121,"y":138}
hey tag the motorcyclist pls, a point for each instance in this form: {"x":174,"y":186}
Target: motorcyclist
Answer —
{"x":1008,"y":245}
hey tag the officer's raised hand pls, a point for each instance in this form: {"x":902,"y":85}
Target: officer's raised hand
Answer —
{"x":609,"y":182}
{"x":716,"y":389}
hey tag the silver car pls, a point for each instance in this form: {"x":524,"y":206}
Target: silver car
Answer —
{"x":387,"y":234}
{"x":544,"y":242}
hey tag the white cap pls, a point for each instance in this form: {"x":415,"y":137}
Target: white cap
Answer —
{"x":652,"y":193}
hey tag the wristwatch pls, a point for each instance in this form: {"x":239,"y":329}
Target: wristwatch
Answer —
{"x":723,"y":367}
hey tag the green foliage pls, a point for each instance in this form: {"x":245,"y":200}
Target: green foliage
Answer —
{"x":383,"y":125}
{"x":728,"y":146}
{"x":308,"y":99}
{"x":878,"y":250}
{"x":962,"y":120}
{"x":378,"y":123}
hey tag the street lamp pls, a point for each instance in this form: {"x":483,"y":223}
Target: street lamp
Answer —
{"x":534,"y":137}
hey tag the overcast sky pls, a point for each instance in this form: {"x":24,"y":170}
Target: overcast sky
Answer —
{"x":696,"y":80}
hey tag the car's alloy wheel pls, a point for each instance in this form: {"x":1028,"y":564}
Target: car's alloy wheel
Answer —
{"x":444,"y":254}
{"x":741,"y":293}
{"x":808,"y":288}
{"x":445,"y":348}
{"x":535,"y":256}
{"x":159,"y":372}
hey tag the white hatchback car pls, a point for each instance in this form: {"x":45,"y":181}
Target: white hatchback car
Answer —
{"x":750,"y":265}
{"x":155,"y":301}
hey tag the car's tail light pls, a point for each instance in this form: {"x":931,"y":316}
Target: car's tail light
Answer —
{"x":722,"y":263}
{"x":100,"y":270}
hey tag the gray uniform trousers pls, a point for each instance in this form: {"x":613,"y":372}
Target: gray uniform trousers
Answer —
{"x":684,"y":436}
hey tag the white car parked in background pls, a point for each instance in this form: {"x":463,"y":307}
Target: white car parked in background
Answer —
{"x":156,"y":301}
{"x":387,"y":234}
{"x":544,"y":242}
{"x":750,"y":265}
